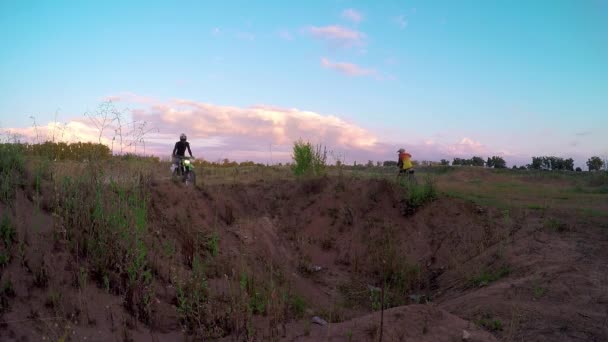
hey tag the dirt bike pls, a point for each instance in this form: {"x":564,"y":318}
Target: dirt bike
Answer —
{"x":184,"y":169}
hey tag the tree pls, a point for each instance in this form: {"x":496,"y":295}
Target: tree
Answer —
{"x":537,"y":163}
{"x":477,"y":161}
{"x":445,"y":162}
{"x":578,"y":169}
{"x":390,"y":163}
{"x":569,"y":164}
{"x":595,"y":163}
{"x":496,"y":162}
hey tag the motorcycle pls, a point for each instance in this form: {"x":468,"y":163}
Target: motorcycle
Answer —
{"x":184,"y":169}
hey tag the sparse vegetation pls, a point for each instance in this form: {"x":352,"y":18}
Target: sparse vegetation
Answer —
{"x":115,"y":223}
{"x":491,"y":324}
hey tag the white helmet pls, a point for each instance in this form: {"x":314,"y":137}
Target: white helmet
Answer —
{"x":183,"y":137}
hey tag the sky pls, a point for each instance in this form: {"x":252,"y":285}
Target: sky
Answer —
{"x":245,"y":79}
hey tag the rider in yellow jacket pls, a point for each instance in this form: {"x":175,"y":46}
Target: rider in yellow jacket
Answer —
{"x":405,"y":162}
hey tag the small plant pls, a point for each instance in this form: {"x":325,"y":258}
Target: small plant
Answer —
{"x":5,"y":258}
{"x":555,"y":225}
{"x":538,"y":291}
{"x":257,"y":303}
{"x":41,"y":276}
{"x":7,"y":289}
{"x":83,"y":277}
{"x":297,"y":305}
{"x":53,"y":299}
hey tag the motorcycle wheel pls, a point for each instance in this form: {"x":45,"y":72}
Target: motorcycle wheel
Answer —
{"x":190,"y":178}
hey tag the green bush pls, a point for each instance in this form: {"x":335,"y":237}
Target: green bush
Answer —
{"x":308,"y":160}
{"x":419,"y":194}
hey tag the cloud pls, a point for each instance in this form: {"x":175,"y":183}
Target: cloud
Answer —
{"x":401,"y":21}
{"x":583,"y":134}
{"x":352,"y":15}
{"x":286,"y":35}
{"x":348,"y":69}
{"x":248,"y":36}
{"x":216,"y":31}
{"x":338,"y":36}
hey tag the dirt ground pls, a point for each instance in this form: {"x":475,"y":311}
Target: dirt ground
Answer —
{"x":451,"y":270}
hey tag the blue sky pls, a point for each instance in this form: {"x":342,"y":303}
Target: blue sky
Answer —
{"x":441,"y":77}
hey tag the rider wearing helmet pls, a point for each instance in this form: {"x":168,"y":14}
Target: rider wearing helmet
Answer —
{"x":180,"y":147}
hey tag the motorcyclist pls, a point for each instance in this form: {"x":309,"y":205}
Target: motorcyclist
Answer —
{"x":179,"y":151}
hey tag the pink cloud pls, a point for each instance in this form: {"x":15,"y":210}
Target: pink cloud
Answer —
{"x":260,"y":133}
{"x":338,"y":35}
{"x":349,"y":69}
{"x":352,"y":15}
{"x":466,"y":146}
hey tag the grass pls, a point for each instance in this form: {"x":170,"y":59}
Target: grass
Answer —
{"x":213,"y":244}
{"x":491,"y":324}
{"x":556,"y":225}
{"x":534,"y":190}
{"x":485,"y":277}
{"x":7,"y":231}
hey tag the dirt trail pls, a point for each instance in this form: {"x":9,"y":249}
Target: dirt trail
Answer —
{"x":331,"y":241}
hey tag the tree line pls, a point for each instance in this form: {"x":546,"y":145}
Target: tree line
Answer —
{"x":594,"y":163}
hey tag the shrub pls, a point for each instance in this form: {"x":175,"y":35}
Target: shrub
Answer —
{"x":308,"y":160}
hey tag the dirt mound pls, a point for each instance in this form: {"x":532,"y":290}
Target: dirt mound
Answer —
{"x":259,"y":260}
